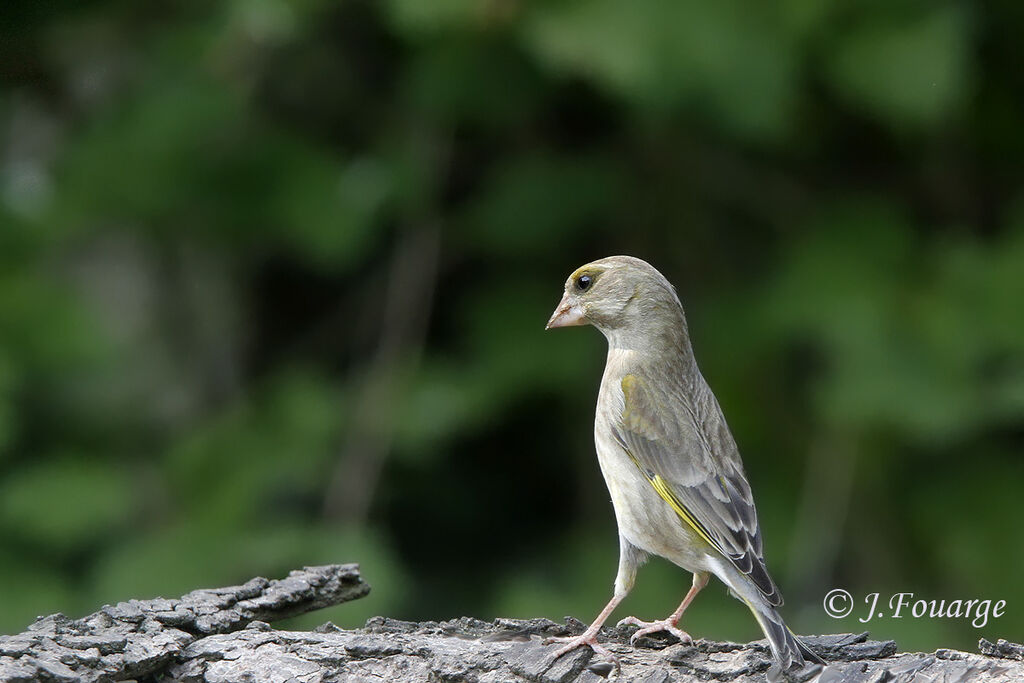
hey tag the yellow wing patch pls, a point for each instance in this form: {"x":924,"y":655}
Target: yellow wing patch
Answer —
{"x":633,"y":416}
{"x":666,"y":493}
{"x":634,"y":420}
{"x":661,"y":486}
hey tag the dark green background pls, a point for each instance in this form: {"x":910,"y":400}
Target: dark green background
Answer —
{"x":274,"y":276}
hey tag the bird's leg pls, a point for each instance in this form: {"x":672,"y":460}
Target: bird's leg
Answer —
{"x":646,"y":627}
{"x":630,"y":557}
{"x":589,"y":637}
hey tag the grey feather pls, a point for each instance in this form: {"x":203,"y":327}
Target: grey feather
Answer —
{"x":686,"y":446}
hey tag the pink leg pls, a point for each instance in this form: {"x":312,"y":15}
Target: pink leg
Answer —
{"x":589,"y":637}
{"x":669,"y":624}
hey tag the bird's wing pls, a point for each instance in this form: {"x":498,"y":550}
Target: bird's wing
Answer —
{"x":687,"y":454}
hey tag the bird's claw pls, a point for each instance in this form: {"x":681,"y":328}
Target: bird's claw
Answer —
{"x":649,"y":627}
{"x":573,"y":642}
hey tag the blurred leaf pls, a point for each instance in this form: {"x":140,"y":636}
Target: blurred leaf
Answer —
{"x":8,"y":410}
{"x":42,"y":323}
{"x":168,"y":140}
{"x":415,"y":17}
{"x":326,"y":212}
{"x":905,"y":348}
{"x":267,"y":22}
{"x":732,"y":61}
{"x":908,"y":73}
{"x":802,"y":17}
{"x":66,"y":503}
{"x":962,"y":552}
{"x":486,"y":82}
{"x":188,"y":159}
{"x":276,"y":445}
{"x":541,"y":200}
{"x":149,"y":566}
{"x":843,"y":273}
{"x":437,"y":404}
{"x":30,"y":590}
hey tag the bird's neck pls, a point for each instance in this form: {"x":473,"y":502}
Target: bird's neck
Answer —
{"x":659,"y":348}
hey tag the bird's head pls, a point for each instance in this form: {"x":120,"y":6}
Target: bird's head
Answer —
{"x":624,"y":297}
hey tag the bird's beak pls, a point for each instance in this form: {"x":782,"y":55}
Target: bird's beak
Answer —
{"x":566,"y":315}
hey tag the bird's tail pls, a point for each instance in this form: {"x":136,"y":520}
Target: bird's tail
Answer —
{"x":789,"y":652}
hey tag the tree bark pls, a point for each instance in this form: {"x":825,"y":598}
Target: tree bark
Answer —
{"x":222,"y":635}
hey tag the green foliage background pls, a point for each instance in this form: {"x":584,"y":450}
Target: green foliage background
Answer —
{"x":273,"y":280}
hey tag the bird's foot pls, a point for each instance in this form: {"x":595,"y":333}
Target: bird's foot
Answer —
{"x":589,"y":638}
{"x":648,"y":627}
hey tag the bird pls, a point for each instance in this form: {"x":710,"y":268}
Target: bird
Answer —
{"x":672,"y":467}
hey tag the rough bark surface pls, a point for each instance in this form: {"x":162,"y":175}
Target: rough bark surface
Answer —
{"x":221,"y":635}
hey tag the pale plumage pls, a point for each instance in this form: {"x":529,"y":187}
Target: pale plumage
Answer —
{"x":670,"y":462}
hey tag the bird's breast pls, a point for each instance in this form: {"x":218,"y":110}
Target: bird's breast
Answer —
{"x":643,"y":518}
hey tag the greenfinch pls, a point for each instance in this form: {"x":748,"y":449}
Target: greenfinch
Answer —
{"x":670,"y":463}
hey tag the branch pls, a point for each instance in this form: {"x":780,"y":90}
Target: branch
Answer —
{"x":220,"y":635}
{"x":144,"y":637}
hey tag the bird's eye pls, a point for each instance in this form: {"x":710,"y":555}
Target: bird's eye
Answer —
{"x":583,"y":282}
